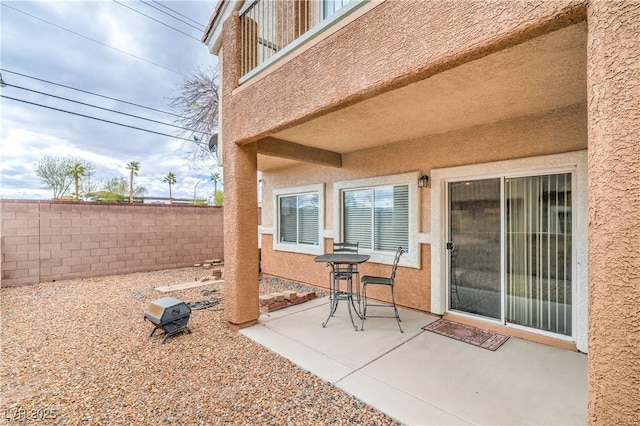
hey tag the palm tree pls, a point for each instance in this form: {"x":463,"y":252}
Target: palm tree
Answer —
{"x":134,"y":168}
{"x":76,"y":170}
{"x":170,"y":179}
{"x":215,"y":177}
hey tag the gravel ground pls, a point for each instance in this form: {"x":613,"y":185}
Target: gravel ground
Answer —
{"x":78,"y":352}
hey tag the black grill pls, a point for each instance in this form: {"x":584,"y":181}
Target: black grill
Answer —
{"x":168,"y":314}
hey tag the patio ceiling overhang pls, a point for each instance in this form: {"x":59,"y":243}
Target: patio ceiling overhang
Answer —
{"x":542,"y":74}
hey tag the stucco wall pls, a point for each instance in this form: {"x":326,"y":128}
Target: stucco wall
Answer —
{"x":241,"y":202}
{"x":412,"y":289}
{"x":428,"y":37}
{"x":48,"y":240}
{"x":561,"y":130}
{"x":614,"y":212}
{"x":557,"y":131}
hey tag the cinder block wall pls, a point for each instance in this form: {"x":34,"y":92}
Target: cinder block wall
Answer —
{"x":53,"y":240}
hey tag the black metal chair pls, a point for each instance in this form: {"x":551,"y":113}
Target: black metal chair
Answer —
{"x":345,"y":247}
{"x":368,"y":280}
{"x":348,"y":274}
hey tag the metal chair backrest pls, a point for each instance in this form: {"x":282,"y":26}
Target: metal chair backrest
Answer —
{"x":345,"y":247}
{"x":395,"y":263}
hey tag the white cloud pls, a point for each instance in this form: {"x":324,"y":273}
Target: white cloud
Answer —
{"x":36,"y":49}
{"x":115,"y":29}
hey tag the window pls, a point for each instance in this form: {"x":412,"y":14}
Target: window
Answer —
{"x":329,"y":7}
{"x":381,"y":214}
{"x":377,"y":218}
{"x":299,"y":219}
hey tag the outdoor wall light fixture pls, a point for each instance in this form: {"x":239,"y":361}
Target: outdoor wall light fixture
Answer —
{"x":423,"y":181}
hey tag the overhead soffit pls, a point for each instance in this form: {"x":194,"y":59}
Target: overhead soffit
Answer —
{"x":539,"y":75}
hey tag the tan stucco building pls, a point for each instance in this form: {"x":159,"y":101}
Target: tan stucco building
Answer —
{"x":524,"y":116}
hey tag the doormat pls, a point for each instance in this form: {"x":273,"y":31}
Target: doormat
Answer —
{"x":465,"y":333}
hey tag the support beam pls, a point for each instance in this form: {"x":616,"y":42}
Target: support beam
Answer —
{"x":292,"y":151}
{"x":241,"y":265}
{"x":613,"y":85}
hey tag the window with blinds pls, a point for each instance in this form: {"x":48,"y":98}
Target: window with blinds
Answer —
{"x":299,"y":219}
{"x":377,"y":218}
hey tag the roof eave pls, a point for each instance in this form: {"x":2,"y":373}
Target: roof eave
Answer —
{"x":212,"y":36}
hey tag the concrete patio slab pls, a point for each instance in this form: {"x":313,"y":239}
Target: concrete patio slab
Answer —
{"x":419,"y":377}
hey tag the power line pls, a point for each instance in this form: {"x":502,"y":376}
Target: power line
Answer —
{"x":93,"y":40}
{"x":102,"y":108}
{"x":170,"y":15}
{"x":91,"y":93}
{"x":156,"y":20}
{"x":100,"y":119}
{"x":178,"y":13}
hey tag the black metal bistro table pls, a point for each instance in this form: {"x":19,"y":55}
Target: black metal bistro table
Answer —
{"x":342,"y":269}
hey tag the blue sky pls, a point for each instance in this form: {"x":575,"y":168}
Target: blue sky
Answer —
{"x":34,"y":48}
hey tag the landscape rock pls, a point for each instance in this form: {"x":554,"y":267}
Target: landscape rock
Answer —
{"x":81,"y":350}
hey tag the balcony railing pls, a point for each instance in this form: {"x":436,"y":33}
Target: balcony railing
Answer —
{"x":271,"y":28}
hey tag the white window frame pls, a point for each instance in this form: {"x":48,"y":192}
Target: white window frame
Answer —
{"x":324,"y":6}
{"x":410,"y":259}
{"x":293,"y":247}
{"x":576,"y":162}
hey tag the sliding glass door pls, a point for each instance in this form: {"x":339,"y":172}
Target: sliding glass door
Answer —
{"x":510,"y":250}
{"x":538,"y":252}
{"x":474,"y":247}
